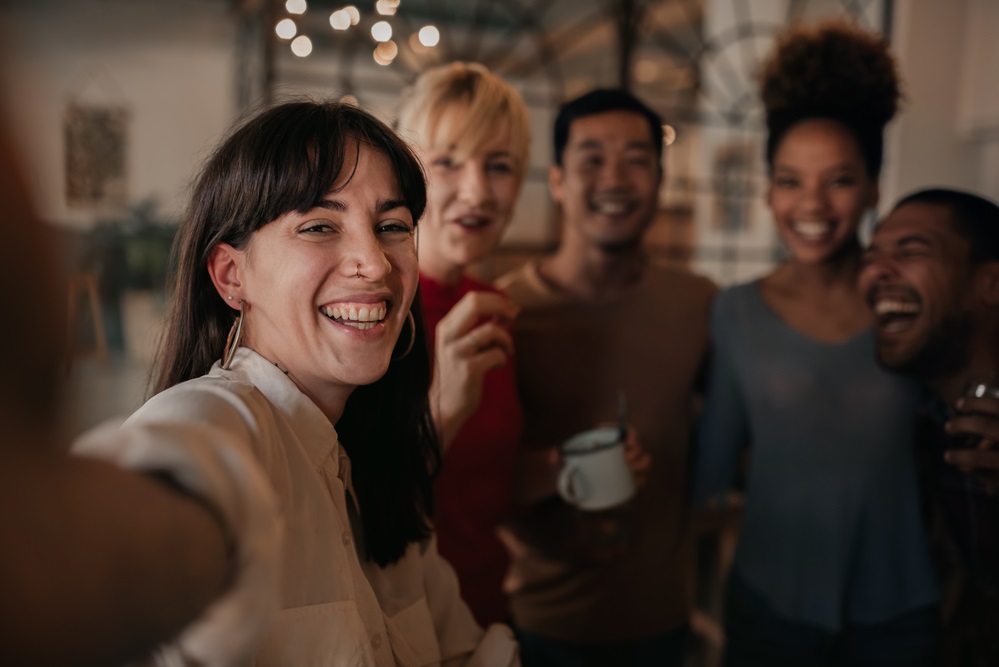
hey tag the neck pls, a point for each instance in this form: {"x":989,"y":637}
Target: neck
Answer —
{"x":840,"y":270}
{"x":589,"y":271}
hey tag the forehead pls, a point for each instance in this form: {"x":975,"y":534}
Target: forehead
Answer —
{"x":365,"y":167}
{"x":610,"y":128}
{"x":452,"y":129}
{"x":932,"y":223}
{"x":818,"y":140}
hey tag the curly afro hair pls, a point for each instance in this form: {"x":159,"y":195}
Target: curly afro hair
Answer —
{"x":833,"y":70}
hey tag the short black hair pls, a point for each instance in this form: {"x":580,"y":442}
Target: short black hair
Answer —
{"x":975,"y":217}
{"x":603,"y":100}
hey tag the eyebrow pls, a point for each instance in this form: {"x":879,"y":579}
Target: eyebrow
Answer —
{"x":595,"y":144}
{"x":384,"y":205}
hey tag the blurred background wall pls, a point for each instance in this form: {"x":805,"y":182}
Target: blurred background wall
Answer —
{"x":115,"y":103}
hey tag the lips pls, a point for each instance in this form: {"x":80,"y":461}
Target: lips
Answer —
{"x":896,"y":311}
{"x":813,"y":231}
{"x":361,"y":316}
{"x":613,"y":207}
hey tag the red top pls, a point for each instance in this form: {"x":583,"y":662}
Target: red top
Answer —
{"x":474,"y":491}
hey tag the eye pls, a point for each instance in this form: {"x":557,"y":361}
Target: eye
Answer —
{"x":444,"y":162}
{"x":499,"y":167}
{"x":910,"y":252}
{"x":785,"y":182}
{"x":642,"y":161}
{"x":843,"y":181}
{"x":395,"y":227}
{"x":316,"y":227}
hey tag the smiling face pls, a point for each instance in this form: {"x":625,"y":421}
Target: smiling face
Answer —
{"x":471,"y":193}
{"x":327,"y":291}
{"x":819,"y":189}
{"x":608,"y":183}
{"x":919,"y":281}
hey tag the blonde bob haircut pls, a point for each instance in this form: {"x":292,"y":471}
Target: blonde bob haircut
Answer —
{"x":432,"y":118}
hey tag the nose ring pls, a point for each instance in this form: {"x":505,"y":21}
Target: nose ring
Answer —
{"x":358,"y":274}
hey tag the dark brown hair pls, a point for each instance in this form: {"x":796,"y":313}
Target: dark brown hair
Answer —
{"x":285,"y":159}
{"x":835,"y":71}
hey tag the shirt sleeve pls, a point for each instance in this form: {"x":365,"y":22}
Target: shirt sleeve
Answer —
{"x":722,"y":429}
{"x":462,"y":641}
{"x":201,"y":441}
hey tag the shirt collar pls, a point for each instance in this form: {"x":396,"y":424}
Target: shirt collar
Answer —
{"x":317,"y":435}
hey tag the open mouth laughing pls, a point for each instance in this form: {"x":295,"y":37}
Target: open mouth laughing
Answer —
{"x":361,"y":316}
{"x":813,"y":231}
{"x":896,"y":310}
{"x":613,"y":207}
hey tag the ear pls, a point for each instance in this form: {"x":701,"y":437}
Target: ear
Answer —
{"x":225,"y":266}
{"x":987,"y":282}
{"x":555,"y":183}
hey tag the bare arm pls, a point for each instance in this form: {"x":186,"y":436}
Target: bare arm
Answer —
{"x":99,"y":564}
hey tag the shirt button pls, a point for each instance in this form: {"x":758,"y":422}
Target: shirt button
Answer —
{"x":376,"y":641}
{"x":347,"y":539}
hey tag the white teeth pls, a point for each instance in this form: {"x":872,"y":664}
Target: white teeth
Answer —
{"x":811,"y":229}
{"x":611,"y":208}
{"x":895,"y":326}
{"x":894,"y":307}
{"x":363,"y":314}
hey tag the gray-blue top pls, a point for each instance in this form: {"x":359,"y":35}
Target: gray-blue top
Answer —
{"x":832,"y":531}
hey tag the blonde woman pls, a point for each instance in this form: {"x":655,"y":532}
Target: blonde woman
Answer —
{"x":470,"y":129}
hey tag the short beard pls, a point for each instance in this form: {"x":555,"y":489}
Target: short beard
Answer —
{"x":944,"y":354}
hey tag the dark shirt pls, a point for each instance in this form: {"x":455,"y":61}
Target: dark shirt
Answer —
{"x":965,"y":516}
{"x":968,"y":509}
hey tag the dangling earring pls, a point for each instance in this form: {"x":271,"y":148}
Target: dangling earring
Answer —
{"x":232,"y":341}
{"x":412,"y":337}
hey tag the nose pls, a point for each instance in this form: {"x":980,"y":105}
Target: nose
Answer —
{"x":367,"y":258}
{"x":877,"y":268}
{"x":473,"y":188}
{"x":814,"y":197}
{"x":612,"y":175}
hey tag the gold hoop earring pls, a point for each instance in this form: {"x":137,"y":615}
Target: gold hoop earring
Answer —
{"x":412,"y":337}
{"x":232,"y":341}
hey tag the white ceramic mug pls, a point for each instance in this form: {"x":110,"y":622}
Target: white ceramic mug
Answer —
{"x":595,"y":474}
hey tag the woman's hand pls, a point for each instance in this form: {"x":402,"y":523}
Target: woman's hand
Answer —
{"x":977,"y":418}
{"x":472,"y":339}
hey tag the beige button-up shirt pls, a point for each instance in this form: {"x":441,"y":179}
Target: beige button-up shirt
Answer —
{"x":239,"y":436}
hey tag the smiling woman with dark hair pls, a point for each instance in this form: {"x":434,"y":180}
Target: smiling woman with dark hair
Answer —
{"x":833,"y":564}
{"x":295,"y":367}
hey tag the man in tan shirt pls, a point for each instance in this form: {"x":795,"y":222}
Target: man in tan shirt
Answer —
{"x":598,"y":318}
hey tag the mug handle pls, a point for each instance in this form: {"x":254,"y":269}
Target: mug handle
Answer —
{"x":567,"y":483}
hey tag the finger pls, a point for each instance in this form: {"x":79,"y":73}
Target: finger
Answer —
{"x":976,"y":459}
{"x":487,"y":360}
{"x":976,"y":424}
{"x":472,"y":308}
{"x":984,"y":405}
{"x":490,"y":335}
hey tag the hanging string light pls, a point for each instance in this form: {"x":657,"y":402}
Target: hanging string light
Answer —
{"x":286,"y":29}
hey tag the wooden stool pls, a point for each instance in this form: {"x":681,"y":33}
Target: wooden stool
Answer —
{"x":84,"y":283}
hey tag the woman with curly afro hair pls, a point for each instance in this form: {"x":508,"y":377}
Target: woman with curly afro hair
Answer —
{"x":833,"y":565}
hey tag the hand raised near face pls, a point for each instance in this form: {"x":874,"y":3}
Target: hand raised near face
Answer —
{"x":472,"y":339}
{"x":977,"y":419}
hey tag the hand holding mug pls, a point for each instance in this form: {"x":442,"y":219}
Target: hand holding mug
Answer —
{"x":595,"y":473}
